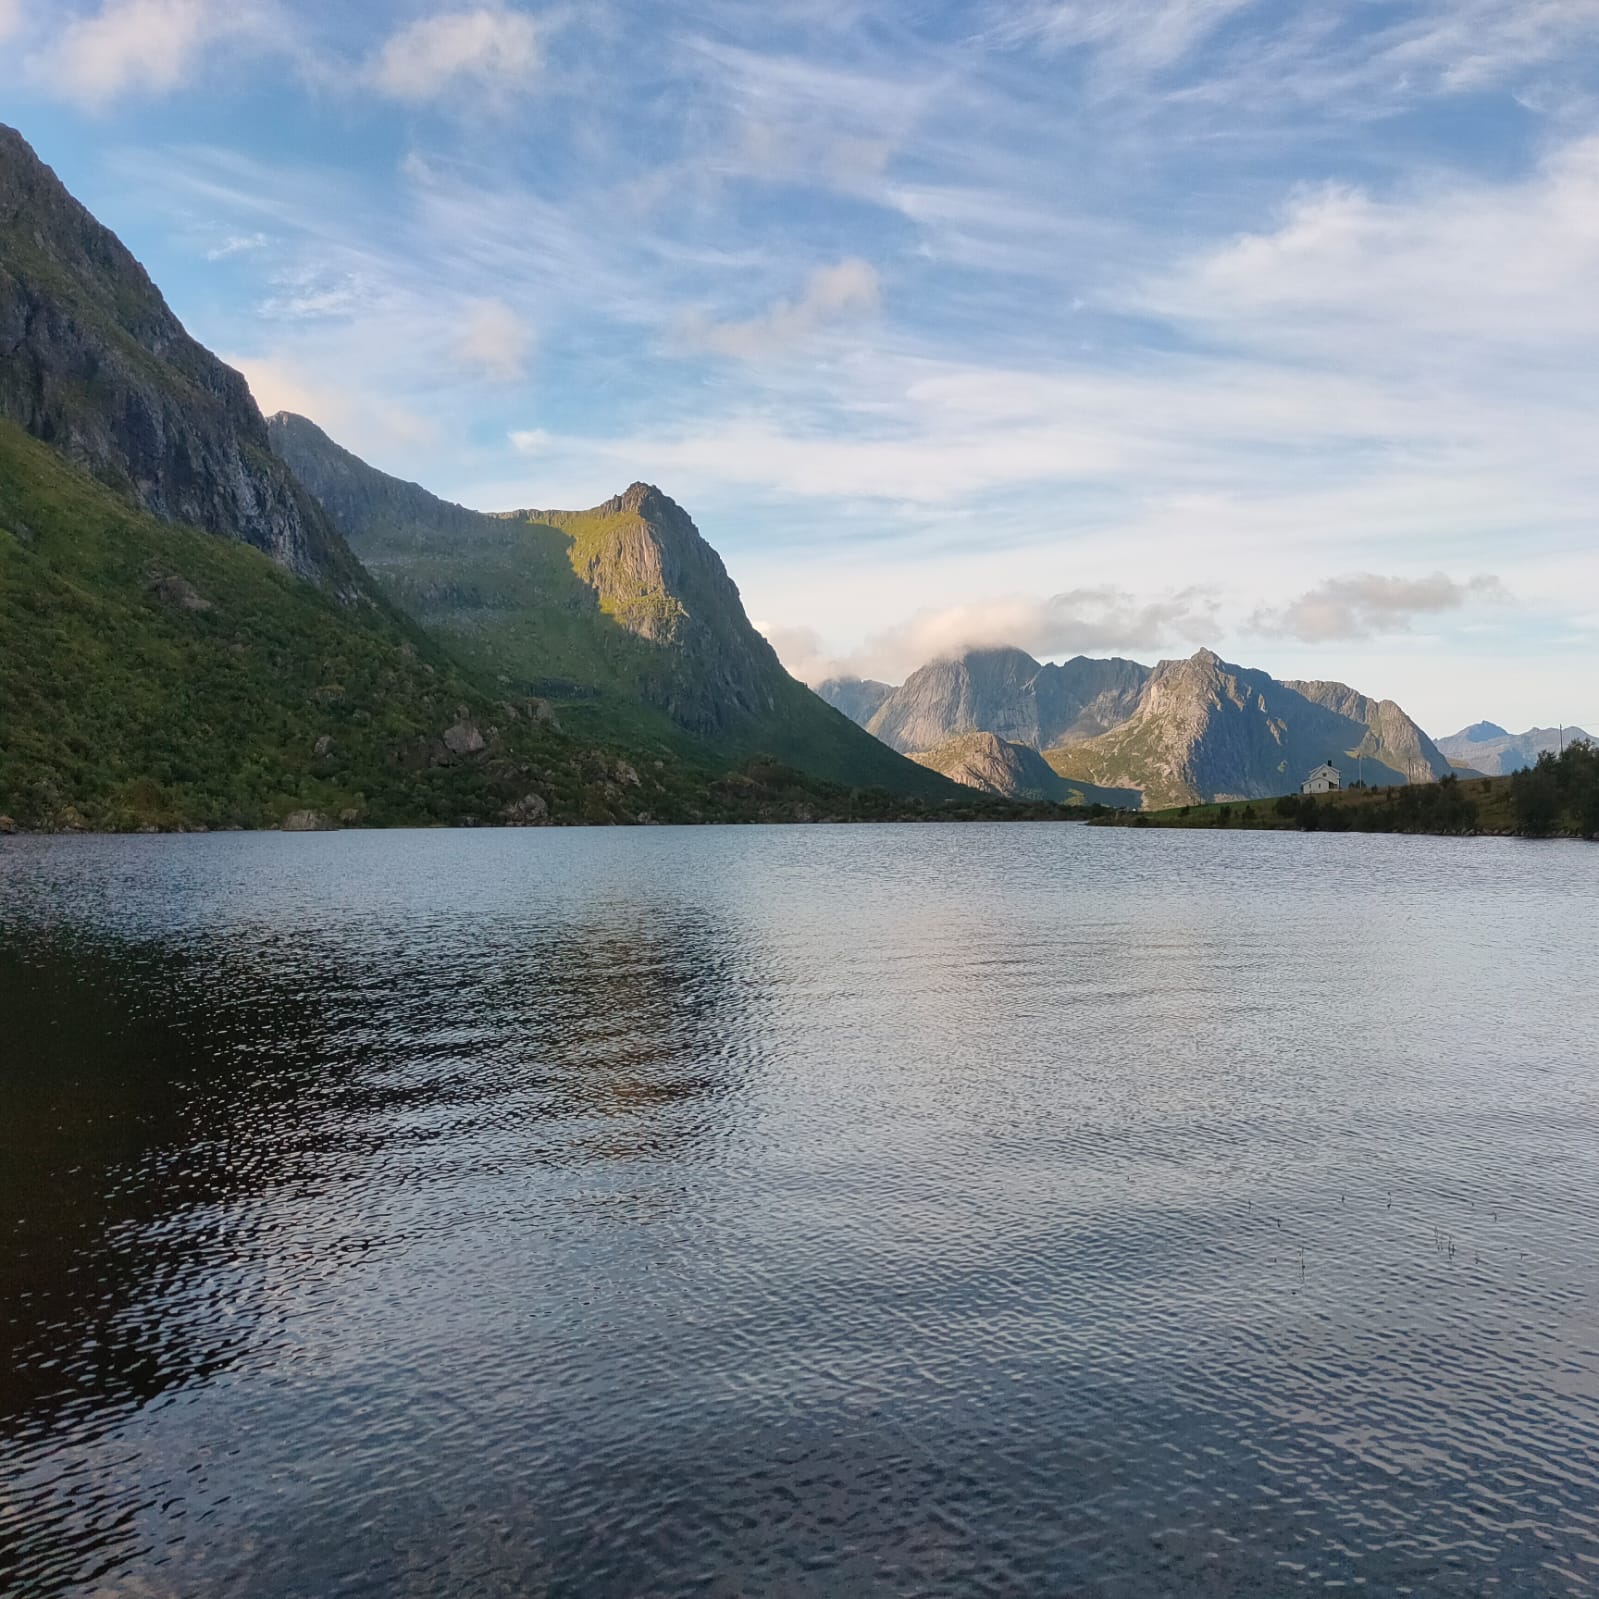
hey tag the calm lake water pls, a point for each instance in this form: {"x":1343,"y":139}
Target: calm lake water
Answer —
{"x":907,"y":1210}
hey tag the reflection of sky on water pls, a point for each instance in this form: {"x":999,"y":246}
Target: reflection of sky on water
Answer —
{"x":891,"y":1207}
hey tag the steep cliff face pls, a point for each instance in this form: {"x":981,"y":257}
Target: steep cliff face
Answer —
{"x":94,"y":364}
{"x":623,"y":613}
{"x":654,"y":576}
{"x":986,"y":691}
{"x":1398,"y":742}
{"x":1007,"y":692}
{"x":1206,"y":730}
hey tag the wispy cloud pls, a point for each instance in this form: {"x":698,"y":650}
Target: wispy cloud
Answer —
{"x":1367,"y":604}
{"x":237,"y":244}
{"x":832,"y":293}
{"x":485,"y":51}
{"x":1135,"y":34}
{"x":495,"y":341}
{"x":143,"y":47}
{"x":925,"y":308}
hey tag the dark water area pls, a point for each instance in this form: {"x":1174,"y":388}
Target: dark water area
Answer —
{"x":905,"y":1210}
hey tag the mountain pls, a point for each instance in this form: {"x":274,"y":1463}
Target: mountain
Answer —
{"x":94,"y":364}
{"x":993,"y":765}
{"x":857,"y":697}
{"x":1007,"y":692}
{"x":623,"y":615}
{"x":1487,"y":747}
{"x":1206,"y":730}
{"x":187,"y":641}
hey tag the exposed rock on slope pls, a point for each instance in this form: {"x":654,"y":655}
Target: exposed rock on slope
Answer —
{"x":621,"y":612}
{"x":1014,"y":771}
{"x":857,"y":697}
{"x":1487,"y":747}
{"x":1205,"y":730}
{"x":1007,"y":692}
{"x":94,"y":364}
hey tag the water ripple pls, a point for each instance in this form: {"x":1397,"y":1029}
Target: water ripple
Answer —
{"x":798,"y":1212}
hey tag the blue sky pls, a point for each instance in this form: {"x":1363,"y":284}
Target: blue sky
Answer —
{"x":1101,"y":325}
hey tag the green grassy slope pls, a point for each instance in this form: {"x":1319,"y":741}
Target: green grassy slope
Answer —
{"x":154,"y":675}
{"x":622,"y":615}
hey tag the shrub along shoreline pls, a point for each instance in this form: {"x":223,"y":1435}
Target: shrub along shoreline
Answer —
{"x":1556,"y":798}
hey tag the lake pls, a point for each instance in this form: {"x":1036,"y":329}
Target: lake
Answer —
{"x":810,"y":1211}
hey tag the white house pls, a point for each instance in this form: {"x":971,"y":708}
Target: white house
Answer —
{"x":1324,"y":780}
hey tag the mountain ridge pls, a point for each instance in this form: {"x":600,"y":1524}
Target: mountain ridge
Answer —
{"x":622,"y":614}
{"x":94,"y":363}
{"x":187,"y":641}
{"x":1181,"y":732}
{"x":1003,"y":691}
{"x":1488,"y":748}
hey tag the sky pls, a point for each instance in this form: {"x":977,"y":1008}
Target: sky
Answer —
{"x":1089,"y":326}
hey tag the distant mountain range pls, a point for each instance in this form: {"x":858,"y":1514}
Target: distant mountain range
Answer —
{"x":1486,"y":747}
{"x":194,"y":635}
{"x":1182,"y":732}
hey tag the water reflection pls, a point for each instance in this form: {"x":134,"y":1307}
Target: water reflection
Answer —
{"x":964,"y":1210}
{"x":199,"y":1142}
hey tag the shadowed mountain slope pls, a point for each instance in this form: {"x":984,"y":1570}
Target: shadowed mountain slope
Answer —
{"x":94,"y":364}
{"x":623,"y":614}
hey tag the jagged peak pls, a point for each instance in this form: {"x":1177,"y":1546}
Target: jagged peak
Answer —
{"x":644,"y":499}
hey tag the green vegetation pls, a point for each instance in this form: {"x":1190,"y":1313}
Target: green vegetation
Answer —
{"x":1560,"y":794}
{"x":153,"y":676}
{"x":623,"y":616}
{"x":1559,"y":797}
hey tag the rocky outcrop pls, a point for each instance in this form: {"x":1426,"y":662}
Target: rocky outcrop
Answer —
{"x":1486,"y":747}
{"x":531,"y":810}
{"x":94,"y":363}
{"x":305,"y":822}
{"x":656,"y":577}
{"x":1007,"y":692}
{"x":179,"y":594}
{"x":994,"y":765}
{"x":465,"y":738}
